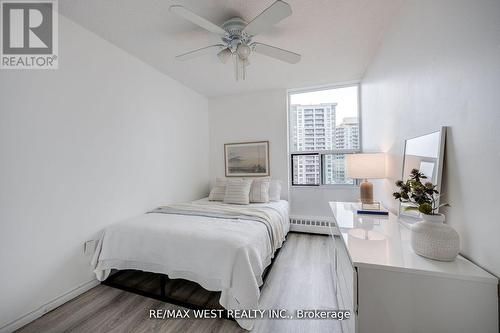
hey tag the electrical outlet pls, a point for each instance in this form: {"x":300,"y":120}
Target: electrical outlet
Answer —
{"x":89,"y":247}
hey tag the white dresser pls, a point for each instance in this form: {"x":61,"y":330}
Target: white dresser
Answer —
{"x":389,"y":288}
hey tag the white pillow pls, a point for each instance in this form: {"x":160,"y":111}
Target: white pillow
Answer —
{"x":259,"y":191}
{"x":237,"y":191}
{"x":218,"y":191}
{"x":275,"y":190}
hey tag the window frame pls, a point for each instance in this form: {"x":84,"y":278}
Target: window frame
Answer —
{"x":322,"y":153}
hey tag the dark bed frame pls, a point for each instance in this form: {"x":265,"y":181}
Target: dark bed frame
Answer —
{"x":163,"y":279}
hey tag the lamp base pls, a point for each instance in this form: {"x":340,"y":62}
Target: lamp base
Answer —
{"x":366,"y":192}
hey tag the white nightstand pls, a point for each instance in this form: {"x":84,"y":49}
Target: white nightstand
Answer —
{"x":391,"y":289}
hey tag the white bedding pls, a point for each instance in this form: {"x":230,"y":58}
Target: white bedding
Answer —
{"x":221,"y":254}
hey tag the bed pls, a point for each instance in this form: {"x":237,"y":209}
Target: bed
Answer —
{"x":222,"y":247}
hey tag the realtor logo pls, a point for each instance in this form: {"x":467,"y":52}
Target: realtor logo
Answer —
{"x":29,"y":35}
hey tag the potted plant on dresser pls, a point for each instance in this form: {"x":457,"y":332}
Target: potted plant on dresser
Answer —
{"x":431,"y":237}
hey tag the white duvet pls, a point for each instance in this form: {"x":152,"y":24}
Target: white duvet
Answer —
{"x":221,"y":254}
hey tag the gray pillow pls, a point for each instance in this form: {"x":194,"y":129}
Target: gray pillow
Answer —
{"x":237,"y":191}
{"x":275,"y":190}
{"x":218,"y":191}
{"x":259,"y":191}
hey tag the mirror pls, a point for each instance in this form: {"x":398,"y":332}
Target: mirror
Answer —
{"x":426,"y":154}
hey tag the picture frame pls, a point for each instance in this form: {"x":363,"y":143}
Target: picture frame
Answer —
{"x":246,"y":159}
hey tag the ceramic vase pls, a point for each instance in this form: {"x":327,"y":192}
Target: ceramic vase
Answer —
{"x":432,"y":238}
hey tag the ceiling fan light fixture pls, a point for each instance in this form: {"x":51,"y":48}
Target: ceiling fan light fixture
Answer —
{"x":237,"y":37}
{"x":243,"y":50}
{"x":224,"y":55}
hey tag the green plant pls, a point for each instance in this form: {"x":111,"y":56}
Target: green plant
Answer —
{"x":422,"y":197}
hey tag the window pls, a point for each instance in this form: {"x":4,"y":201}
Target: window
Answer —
{"x":307,"y":169}
{"x":324,"y":127}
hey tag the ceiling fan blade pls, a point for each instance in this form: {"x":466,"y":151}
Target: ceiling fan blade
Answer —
{"x":269,"y":17}
{"x":196,"y":19}
{"x":276,"y":53}
{"x":199,"y":52}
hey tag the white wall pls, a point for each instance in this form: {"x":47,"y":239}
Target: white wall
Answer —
{"x":257,"y":116}
{"x":262,"y":116}
{"x":439,"y":64}
{"x":103,"y":138}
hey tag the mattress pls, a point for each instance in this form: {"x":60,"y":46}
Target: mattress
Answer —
{"x":220,"y":253}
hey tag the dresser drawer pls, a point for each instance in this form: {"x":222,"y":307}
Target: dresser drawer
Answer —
{"x":346,"y":285}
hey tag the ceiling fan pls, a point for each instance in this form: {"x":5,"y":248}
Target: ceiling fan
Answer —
{"x":237,"y":36}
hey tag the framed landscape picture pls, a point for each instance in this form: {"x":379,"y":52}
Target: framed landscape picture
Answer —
{"x":247,"y":159}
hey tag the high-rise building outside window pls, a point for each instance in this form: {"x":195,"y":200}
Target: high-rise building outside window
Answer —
{"x":324,"y":127}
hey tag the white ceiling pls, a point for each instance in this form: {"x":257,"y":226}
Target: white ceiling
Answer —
{"x":337,"y":39}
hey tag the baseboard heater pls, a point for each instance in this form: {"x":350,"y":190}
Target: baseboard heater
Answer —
{"x":313,"y":224}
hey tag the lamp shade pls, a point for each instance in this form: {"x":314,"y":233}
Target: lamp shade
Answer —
{"x":224,"y":55}
{"x":369,"y":166}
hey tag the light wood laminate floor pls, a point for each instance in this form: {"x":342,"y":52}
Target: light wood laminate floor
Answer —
{"x":300,"y":279}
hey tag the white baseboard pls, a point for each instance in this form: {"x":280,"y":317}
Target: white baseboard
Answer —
{"x":49,"y":306}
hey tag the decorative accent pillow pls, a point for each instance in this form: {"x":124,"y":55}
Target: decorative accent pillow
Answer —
{"x":275,"y":190}
{"x":259,"y":191}
{"x":237,"y":191}
{"x":219,"y":190}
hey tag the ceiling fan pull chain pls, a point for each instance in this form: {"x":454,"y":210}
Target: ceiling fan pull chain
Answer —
{"x":236,"y":66}
{"x":244,"y":70}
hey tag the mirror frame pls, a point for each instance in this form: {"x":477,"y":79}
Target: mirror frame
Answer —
{"x":439,"y":174}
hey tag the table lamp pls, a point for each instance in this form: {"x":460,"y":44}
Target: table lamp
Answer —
{"x":366,"y":166}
